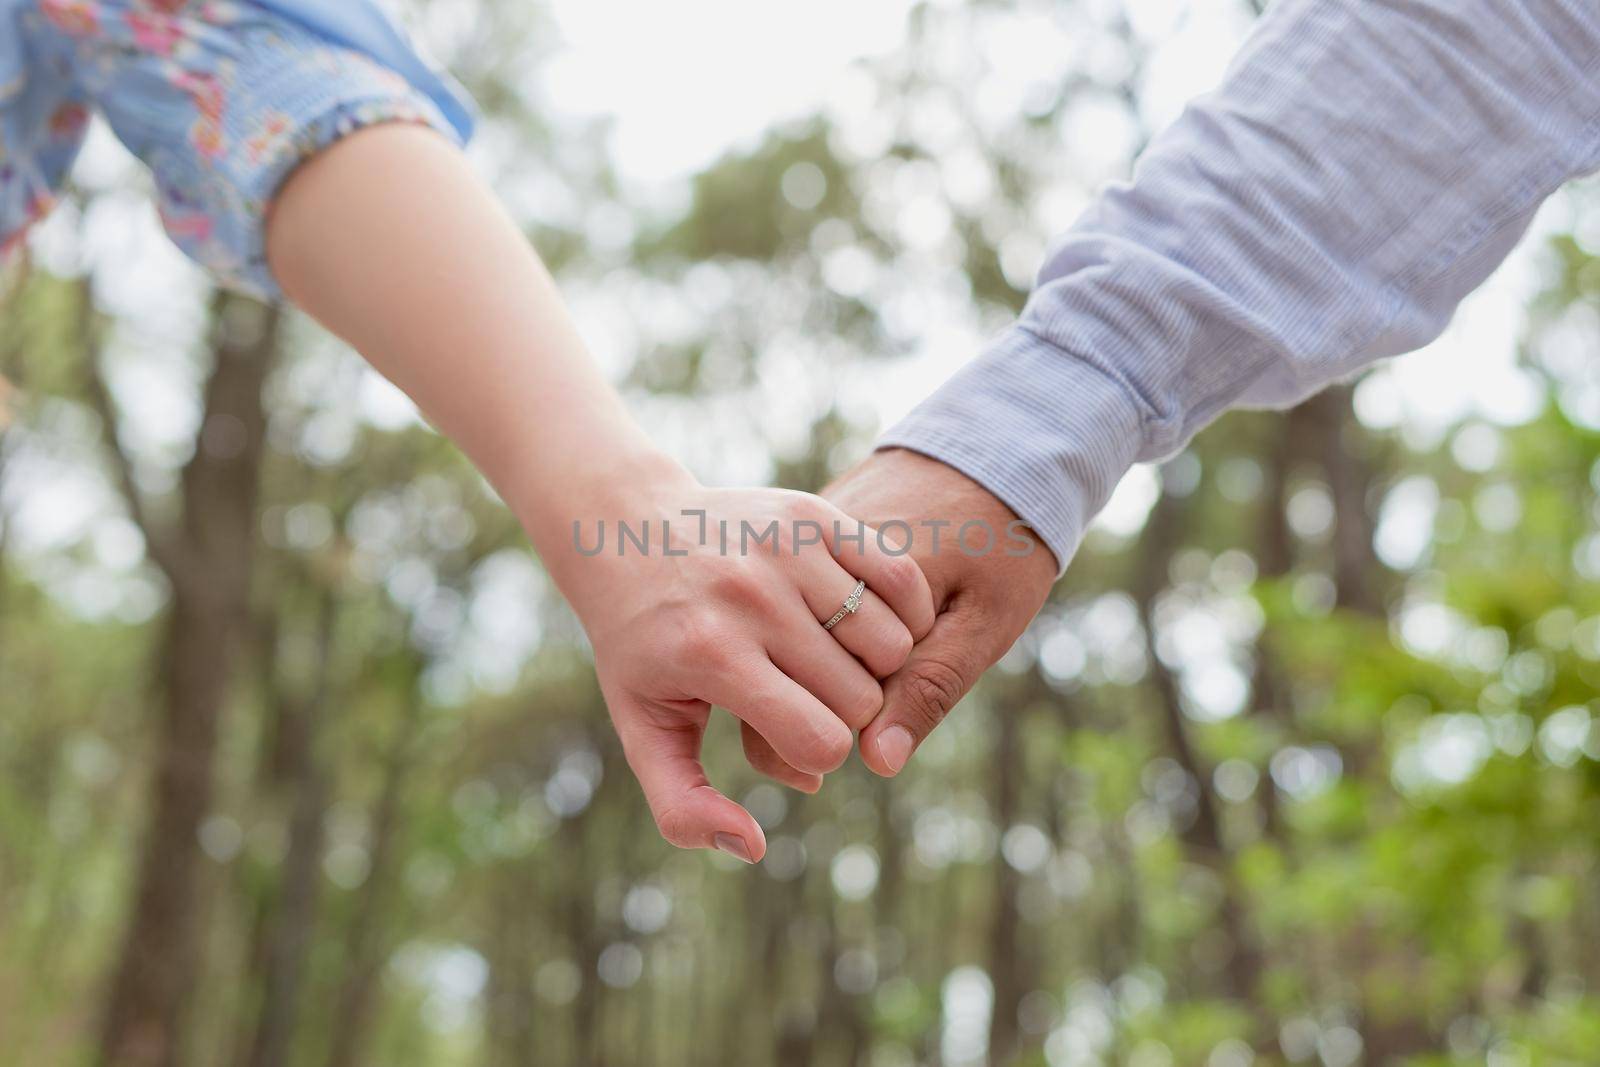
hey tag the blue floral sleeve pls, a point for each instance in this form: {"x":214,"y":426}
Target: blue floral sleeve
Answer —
{"x":222,"y":99}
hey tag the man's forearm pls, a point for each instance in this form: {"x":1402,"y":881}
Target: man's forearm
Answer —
{"x":1363,"y":167}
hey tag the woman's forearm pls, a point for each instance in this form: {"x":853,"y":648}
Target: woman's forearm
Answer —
{"x":392,"y":242}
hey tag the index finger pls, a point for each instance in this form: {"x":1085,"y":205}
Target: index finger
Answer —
{"x":800,"y":728}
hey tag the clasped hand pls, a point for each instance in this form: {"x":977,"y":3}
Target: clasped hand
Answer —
{"x":717,"y":597}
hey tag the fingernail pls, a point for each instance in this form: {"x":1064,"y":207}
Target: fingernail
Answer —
{"x":733,"y":845}
{"x":894,"y":746}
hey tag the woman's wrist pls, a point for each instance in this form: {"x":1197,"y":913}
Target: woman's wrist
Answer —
{"x":569,"y":515}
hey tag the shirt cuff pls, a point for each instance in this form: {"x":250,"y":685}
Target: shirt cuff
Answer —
{"x":1046,"y":431}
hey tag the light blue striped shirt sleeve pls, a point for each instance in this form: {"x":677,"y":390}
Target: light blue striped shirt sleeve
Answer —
{"x":1364,"y":165}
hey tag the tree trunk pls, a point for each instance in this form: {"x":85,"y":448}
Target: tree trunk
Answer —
{"x":1271,"y":694}
{"x":366,"y":951}
{"x":288,"y":924}
{"x":513,"y":951}
{"x":1007,"y":967}
{"x":1355,"y":561}
{"x":207,"y":561}
{"x":1203,"y":839}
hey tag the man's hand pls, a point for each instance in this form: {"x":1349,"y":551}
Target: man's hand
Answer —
{"x":985,"y":599}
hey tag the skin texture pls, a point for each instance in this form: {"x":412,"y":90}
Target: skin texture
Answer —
{"x":431,"y":281}
{"x":984,"y":602}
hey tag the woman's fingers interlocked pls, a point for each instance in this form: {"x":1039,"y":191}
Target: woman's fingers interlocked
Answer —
{"x":810,"y":655}
{"x":764,"y":759}
{"x":879,"y":558}
{"x":803,"y":730}
{"x":699,"y":627}
{"x":874,"y":634}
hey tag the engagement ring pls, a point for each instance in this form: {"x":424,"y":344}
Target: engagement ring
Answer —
{"x":852,"y":604}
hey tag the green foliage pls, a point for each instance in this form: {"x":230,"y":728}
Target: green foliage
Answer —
{"x":1382,"y":832}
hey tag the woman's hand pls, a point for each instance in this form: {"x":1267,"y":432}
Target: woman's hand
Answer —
{"x":435,"y":285}
{"x":724,"y":605}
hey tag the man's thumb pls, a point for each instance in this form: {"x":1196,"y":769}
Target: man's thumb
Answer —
{"x":917,"y":697}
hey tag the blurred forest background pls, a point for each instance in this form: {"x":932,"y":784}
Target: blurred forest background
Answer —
{"x":302,"y":761}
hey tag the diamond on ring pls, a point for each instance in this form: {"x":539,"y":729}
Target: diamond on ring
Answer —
{"x":852,"y":604}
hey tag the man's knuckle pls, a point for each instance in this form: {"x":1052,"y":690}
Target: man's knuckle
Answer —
{"x":932,"y":689}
